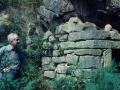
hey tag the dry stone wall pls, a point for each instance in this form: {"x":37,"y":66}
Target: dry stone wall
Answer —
{"x":79,"y":46}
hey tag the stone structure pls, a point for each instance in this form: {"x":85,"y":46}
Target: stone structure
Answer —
{"x":80,"y":46}
{"x":52,"y":9}
{"x":100,"y":12}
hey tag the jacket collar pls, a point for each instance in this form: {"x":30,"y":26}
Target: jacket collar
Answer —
{"x":10,"y":47}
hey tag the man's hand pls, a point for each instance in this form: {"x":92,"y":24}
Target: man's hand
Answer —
{"x":6,"y":69}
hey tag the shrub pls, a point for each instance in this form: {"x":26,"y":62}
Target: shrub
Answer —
{"x":7,"y":83}
{"x":105,"y":79}
{"x":19,"y":3}
{"x":68,"y":84}
{"x":11,"y":24}
{"x":32,"y":75}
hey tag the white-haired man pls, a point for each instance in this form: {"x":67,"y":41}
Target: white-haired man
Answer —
{"x":12,"y":60}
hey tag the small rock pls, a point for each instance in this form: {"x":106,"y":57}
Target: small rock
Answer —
{"x":108,"y":27}
{"x":51,"y":38}
{"x":47,"y":35}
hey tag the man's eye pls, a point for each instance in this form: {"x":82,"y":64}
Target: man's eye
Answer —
{"x":16,"y":39}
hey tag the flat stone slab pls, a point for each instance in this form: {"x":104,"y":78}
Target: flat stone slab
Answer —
{"x":88,"y":51}
{"x":71,"y":59}
{"x":87,"y":62}
{"x":58,"y":59}
{"x":88,"y":35}
{"x":90,"y":44}
{"x":95,"y":44}
{"x":50,"y":74}
{"x":67,"y":45}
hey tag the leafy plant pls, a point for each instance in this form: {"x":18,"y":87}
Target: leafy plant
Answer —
{"x":68,"y":84}
{"x":11,"y":24}
{"x":34,"y":51}
{"x":16,"y":24}
{"x":32,"y":75}
{"x":105,"y":79}
{"x":53,"y":26}
{"x":7,"y":83}
{"x":60,"y":50}
{"x":33,"y":78}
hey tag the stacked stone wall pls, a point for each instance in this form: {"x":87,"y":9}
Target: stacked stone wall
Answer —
{"x":80,"y":46}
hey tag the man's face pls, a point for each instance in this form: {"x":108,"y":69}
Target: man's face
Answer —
{"x":15,"y":42}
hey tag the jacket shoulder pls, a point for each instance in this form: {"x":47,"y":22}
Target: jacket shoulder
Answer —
{"x":4,"y":48}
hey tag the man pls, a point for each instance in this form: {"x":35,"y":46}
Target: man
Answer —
{"x":12,"y":59}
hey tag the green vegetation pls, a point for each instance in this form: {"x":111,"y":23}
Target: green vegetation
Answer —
{"x":7,"y":83}
{"x":100,"y":79}
{"x":23,"y":10}
{"x":32,"y":75}
{"x":69,"y":84}
{"x":105,"y":79}
{"x":33,"y":4}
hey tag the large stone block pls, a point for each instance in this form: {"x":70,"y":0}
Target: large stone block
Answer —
{"x":71,"y":59}
{"x":58,"y":59}
{"x":46,"y":60}
{"x":89,"y":62}
{"x":58,"y":7}
{"x":45,"y":13}
{"x":59,"y":76}
{"x":68,"y":51}
{"x":62,"y":68}
{"x":51,"y":66}
{"x":53,"y":5}
{"x":88,"y":35}
{"x":94,"y":44}
{"x":50,"y":74}
{"x":88,"y":52}
{"x":71,"y":26}
{"x":85,"y":44}
{"x":67,"y":45}
{"x":74,"y":24}
{"x":107,"y":57}
{"x":63,"y":38}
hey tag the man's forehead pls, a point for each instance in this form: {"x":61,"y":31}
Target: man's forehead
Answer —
{"x":15,"y":36}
